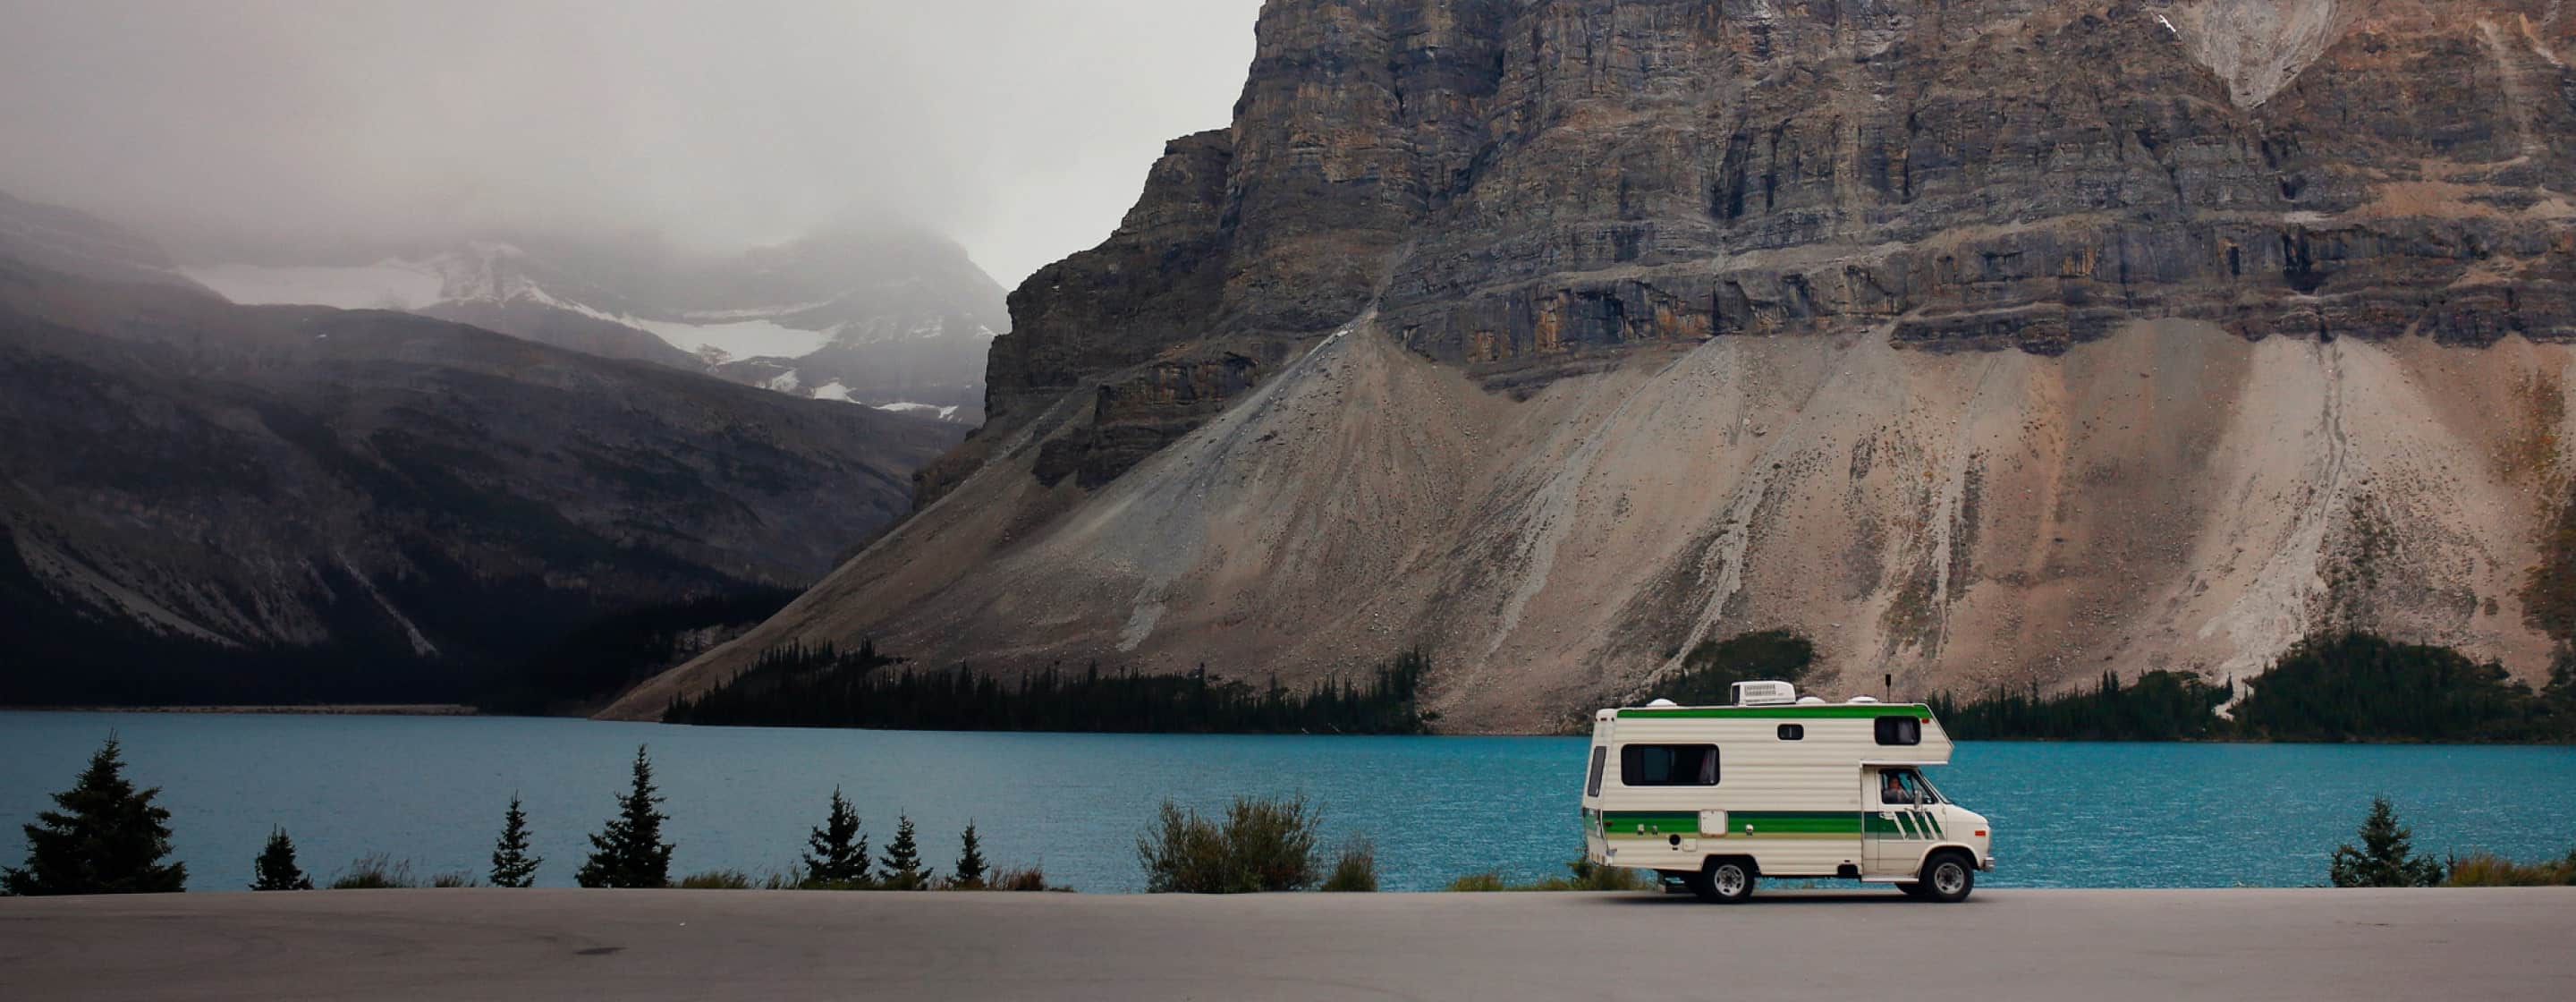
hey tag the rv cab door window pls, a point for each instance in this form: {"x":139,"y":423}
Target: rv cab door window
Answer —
{"x":1905,"y":788}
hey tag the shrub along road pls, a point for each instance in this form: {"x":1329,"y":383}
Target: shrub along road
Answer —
{"x":2100,"y":946}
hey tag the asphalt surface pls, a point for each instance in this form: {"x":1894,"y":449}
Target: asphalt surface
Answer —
{"x":2089,"y":946}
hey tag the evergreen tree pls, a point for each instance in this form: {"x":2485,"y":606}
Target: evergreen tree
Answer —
{"x":107,"y":838}
{"x":276,"y":870}
{"x":840,"y":852}
{"x":902,"y":870}
{"x":630,"y":851}
{"x":970,"y":860}
{"x":2386,"y":857}
{"x":511,"y":864}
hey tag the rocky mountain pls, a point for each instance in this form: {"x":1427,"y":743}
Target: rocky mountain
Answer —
{"x":208,"y":502}
{"x":882,"y":315}
{"x":1986,"y":342}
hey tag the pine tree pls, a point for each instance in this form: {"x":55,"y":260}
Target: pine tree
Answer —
{"x":902,"y":869}
{"x":840,"y":852}
{"x":511,"y":864}
{"x":275,"y":870}
{"x":107,"y":839}
{"x":630,"y":851}
{"x":970,"y":860}
{"x":2386,"y":857}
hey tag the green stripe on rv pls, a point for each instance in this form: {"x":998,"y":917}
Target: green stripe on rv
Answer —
{"x":1785,"y":822}
{"x":1656,"y":824}
{"x":1782,"y":712}
{"x":1907,"y":824}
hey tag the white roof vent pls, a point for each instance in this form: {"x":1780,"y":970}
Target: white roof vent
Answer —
{"x":1662,"y":703}
{"x":1765,"y":694}
{"x":1811,"y":700}
{"x":1864,"y":699}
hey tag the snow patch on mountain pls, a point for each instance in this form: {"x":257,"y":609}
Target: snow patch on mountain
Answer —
{"x":743,"y":339}
{"x":908,"y":407}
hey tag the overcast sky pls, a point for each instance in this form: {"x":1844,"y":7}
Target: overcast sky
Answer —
{"x":1021,"y":127}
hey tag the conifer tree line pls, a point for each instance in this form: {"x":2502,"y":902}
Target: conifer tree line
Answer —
{"x":107,"y":837}
{"x":2326,"y":688}
{"x":822,"y":686}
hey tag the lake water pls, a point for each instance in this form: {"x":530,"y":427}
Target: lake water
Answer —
{"x":432,"y":790}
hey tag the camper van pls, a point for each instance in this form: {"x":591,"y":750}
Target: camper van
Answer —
{"x":1779,"y":786}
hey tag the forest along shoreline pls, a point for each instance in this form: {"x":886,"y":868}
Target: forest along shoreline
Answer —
{"x":2328,"y":688}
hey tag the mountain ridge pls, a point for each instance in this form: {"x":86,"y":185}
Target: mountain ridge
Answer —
{"x":206,"y":502}
{"x":886,"y":316}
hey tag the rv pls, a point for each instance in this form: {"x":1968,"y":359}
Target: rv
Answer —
{"x":1783,"y":787}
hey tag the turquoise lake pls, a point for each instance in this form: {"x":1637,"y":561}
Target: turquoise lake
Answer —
{"x":432,"y":790}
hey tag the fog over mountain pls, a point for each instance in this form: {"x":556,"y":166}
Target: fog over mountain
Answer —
{"x":293,"y":132}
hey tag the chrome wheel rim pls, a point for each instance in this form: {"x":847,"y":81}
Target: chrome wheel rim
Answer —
{"x":1949,"y":878}
{"x":1730,"y":881}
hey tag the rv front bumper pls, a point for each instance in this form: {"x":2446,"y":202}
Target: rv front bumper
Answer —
{"x":1988,"y":865}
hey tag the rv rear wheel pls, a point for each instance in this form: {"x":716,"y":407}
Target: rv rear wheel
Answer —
{"x":1947,"y":878}
{"x":1725,"y":881}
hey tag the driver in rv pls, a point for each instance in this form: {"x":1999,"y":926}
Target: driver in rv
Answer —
{"x":1894,"y":792}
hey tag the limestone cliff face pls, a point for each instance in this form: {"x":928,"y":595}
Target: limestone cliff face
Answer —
{"x":1986,"y":342}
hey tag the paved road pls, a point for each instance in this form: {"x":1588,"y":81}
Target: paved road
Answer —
{"x":2089,"y":946}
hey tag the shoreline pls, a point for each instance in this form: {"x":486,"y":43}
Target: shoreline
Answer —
{"x":461,"y":710}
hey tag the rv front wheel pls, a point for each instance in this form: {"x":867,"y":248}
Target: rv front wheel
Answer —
{"x":1725,"y":881}
{"x":1947,"y":878}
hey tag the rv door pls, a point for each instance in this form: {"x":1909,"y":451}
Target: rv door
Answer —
{"x":1897,"y":822}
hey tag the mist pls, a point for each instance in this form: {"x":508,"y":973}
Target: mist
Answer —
{"x":299,"y":132}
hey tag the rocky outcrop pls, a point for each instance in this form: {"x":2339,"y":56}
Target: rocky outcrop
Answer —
{"x":1962,"y":336}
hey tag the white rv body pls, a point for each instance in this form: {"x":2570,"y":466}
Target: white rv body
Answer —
{"x":1783,"y":788}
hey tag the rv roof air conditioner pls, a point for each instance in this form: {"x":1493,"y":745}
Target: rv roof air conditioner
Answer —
{"x":1765,"y":694}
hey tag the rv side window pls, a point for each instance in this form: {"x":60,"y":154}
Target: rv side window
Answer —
{"x":1900,"y":731}
{"x":1600,"y":758}
{"x":1793,"y":732}
{"x":1668,"y":765}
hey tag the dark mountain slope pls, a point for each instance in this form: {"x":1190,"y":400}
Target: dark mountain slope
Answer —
{"x":211,"y":502}
{"x":77,"y":243}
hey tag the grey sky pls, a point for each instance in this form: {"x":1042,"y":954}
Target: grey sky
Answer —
{"x":1022,"y":127}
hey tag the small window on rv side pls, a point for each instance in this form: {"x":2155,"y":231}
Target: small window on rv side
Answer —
{"x":1668,"y":765}
{"x":1600,"y":758}
{"x":1793,"y":732}
{"x":1900,"y":731}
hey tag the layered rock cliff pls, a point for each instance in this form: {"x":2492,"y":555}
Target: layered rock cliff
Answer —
{"x":1997,"y":342}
